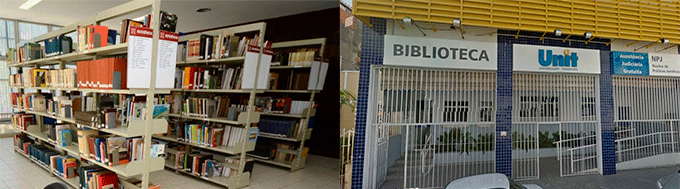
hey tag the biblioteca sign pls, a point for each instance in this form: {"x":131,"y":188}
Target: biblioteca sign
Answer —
{"x":439,"y":53}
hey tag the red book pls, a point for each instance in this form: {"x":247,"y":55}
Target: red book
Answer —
{"x":98,"y":36}
{"x":107,"y":180}
{"x":119,"y":73}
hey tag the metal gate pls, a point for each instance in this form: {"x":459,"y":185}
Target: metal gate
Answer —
{"x":446,"y":117}
{"x":646,"y":117}
{"x":554,"y":112}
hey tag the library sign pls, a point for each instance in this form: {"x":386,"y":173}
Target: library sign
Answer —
{"x":654,"y":64}
{"x":534,"y":58}
{"x":439,"y":53}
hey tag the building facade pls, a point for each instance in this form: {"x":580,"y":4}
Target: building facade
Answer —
{"x":453,"y":90}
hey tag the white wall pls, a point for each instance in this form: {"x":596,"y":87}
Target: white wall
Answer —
{"x":620,"y":45}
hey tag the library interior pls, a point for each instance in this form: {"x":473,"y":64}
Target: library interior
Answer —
{"x":155,"y":94}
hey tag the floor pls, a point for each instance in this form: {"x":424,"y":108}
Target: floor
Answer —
{"x":17,"y":172}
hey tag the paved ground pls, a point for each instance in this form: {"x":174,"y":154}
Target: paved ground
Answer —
{"x":550,"y":177}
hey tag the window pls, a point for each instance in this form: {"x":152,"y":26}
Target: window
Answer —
{"x":485,"y":111}
{"x":7,"y":39}
{"x":29,"y":31}
{"x":456,"y":111}
{"x":538,"y":106}
{"x":587,"y":106}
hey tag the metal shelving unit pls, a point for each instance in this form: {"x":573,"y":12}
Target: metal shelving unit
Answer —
{"x":145,"y":128}
{"x":244,"y":119}
{"x":304,"y":132}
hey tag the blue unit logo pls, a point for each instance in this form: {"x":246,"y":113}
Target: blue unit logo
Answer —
{"x":547,"y":58}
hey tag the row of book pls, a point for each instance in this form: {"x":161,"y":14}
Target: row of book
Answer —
{"x":216,"y":107}
{"x":36,"y":77}
{"x":95,"y":36}
{"x":204,"y":165}
{"x":63,"y":166}
{"x":275,"y":152}
{"x":214,"y":47}
{"x":109,"y":149}
{"x":302,"y":79}
{"x":95,"y":177}
{"x":23,"y":120}
{"x":27,"y":52}
{"x":58,"y":46}
{"x":106,"y":73}
{"x":280,"y":128}
{"x":221,"y":77}
{"x":282,"y":105}
{"x":168,"y":22}
{"x":62,"y":106}
{"x":214,"y":136}
{"x":30,"y":101}
{"x":303,"y":57}
{"x":61,"y":134}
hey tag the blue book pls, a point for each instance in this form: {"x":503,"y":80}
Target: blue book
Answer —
{"x":111,"y":38}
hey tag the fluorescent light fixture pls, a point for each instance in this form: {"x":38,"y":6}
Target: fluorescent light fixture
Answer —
{"x":28,"y":4}
{"x":558,"y":32}
{"x":407,"y":21}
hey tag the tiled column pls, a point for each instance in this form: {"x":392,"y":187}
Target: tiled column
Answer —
{"x":371,"y":53}
{"x":607,"y":115}
{"x":504,"y":112}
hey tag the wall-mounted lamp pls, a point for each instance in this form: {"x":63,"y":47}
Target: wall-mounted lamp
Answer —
{"x":407,"y":21}
{"x":456,"y":23}
{"x":665,"y":41}
{"x":558,"y":32}
{"x":588,"y":35}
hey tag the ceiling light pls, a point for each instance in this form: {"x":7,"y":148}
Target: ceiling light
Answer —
{"x":407,"y":21}
{"x":203,"y":10}
{"x":664,"y":40}
{"x":28,"y":4}
{"x":456,"y":23}
{"x":588,"y":35}
{"x":558,"y":32}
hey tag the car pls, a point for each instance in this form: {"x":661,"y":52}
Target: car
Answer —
{"x":489,"y":181}
{"x":670,"y":181}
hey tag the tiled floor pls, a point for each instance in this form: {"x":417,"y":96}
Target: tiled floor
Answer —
{"x":17,"y":172}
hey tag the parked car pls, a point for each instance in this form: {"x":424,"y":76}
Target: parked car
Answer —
{"x":670,"y":181}
{"x":489,"y":181}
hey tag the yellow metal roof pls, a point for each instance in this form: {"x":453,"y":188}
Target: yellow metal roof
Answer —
{"x":615,"y":19}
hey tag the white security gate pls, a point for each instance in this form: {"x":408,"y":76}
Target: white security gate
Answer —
{"x":646,"y":117}
{"x":446,"y":117}
{"x":554,"y":112}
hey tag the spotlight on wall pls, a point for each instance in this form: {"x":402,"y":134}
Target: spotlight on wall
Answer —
{"x":588,"y":35}
{"x":456,"y":23}
{"x":664,"y":41}
{"x":407,"y":21}
{"x":558,"y":32}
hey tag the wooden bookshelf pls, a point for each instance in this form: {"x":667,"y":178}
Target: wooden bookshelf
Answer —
{"x":145,"y":128}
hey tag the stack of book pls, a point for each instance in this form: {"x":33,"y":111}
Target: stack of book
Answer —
{"x":58,"y":46}
{"x":31,"y":101}
{"x":215,"y":47}
{"x":221,"y":77}
{"x":63,"y":166}
{"x":28,"y":52}
{"x":280,"y":128}
{"x":40,"y":153}
{"x":107,"y":73}
{"x":214,"y":136}
{"x":94,"y":36}
{"x":35,"y":77}
{"x":23,"y":120}
{"x":61,"y":134}
{"x":217,"y":107}
{"x":63,"y":106}
{"x":95,"y":177}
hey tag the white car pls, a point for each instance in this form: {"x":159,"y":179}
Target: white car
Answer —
{"x":489,"y":181}
{"x":670,"y":181}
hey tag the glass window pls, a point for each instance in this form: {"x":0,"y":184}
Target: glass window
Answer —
{"x":6,"y":36}
{"x":29,"y":31}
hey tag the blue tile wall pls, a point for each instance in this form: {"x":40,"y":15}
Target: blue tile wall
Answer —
{"x":607,"y":115}
{"x":371,"y":53}
{"x":504,"y":95}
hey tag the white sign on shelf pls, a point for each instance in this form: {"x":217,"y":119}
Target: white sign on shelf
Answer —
{"x":139,"y":58}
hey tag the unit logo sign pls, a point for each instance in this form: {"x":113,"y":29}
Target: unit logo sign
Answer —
{"x":535,"y":58}
{"x":440,"y":53}
{"x":631,"y":63}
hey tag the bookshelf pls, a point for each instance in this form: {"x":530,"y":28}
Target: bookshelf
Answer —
{"x":304,"y":132}
{"x":145,"y":128}
{"x":243,"y":119}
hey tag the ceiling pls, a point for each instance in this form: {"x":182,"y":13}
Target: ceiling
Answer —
{"x":224,"y":12}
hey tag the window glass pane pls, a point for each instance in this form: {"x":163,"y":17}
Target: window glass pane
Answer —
{"x":4,"y":70}
{"x":3,"y":29}
{"x":10,"y":29}
{"x":4,"y":97}
{"x":29,"y":31}
{"x":55,"y":28}
{"x":12,"y":43}
{"x":3,"y":46}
